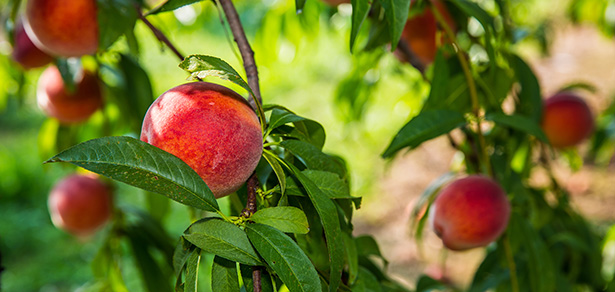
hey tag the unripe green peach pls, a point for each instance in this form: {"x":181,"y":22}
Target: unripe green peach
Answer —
{"x":67,"y":28}
{"x":68,"y":107}
{"x":566,"y":120}
{"x":470,"y":212}
{"x":211,"y":128}
{"x":80,"y":204}
{"x":25,"y":53}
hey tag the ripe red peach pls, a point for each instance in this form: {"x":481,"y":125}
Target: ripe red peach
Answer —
{"x":67,"y":28}
{"x":80,"y":204}
{"x":25,"y":53}
{"x":211,"y":128}
{"x":68,"y":107}
{"x":566,"y":120}
{"x":420,"y":33}
{"x":470,"y":212}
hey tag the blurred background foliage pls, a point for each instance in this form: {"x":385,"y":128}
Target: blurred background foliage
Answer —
{"x":304,"y":64}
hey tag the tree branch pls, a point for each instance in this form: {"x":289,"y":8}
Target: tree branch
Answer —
{"x":158,"y":34}
{"x":252,"y":185}
{"x":244,"y":47}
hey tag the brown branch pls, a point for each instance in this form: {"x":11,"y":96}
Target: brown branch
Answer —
{"x":158,"y":34}
{"x":244,"y":47}
{"x":409,"y":56}
{"x":256,"y":276}
{"x":252,"y":185}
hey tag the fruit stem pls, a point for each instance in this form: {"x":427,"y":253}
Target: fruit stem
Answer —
{"x":511,"y":264}
{"x":471,"y":86}
{"x":158,"y":34}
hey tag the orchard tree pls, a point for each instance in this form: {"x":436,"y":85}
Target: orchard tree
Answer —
{"x":289,"y":225}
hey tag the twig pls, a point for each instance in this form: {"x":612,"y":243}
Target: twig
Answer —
{"x":256,"y":276}
{"x":244,"y":47}
{"x":158,"y":34}
{"x":410,"y":56}
{"x":471,"y":86}
{"x":252,"y":185}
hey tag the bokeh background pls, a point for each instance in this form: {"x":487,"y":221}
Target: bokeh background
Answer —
{"x":304,"y":64}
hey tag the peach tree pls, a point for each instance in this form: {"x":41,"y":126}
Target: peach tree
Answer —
{"x":289,"y":225}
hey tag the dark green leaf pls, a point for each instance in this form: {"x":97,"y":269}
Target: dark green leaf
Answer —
{"x":366,"y":282}
{"x":224,"y":239}
{"x":360,"y":9}
{"x":427,"y":284}
{"x":305,"y":129}
{"x":201,"y":66}
{"x":142,"y":165}
{"x":151,"y":273}
{"x":312,"y":157}
{"x":352,"y":258}
{"x":530,"y":99}
{"x":330,"y":221}
{"x":396,"y":14}
{"x":520,"y":123}
{"x":137,"y":89}
{"x":171,"y":5}
{"x":489,"y":274}
{"x":286,"y":219}
{"x":281,"y":117}
{"x":285,"y":257}
{"x":183,"y":250}
{"x":192,"y":271}
{"x":299,"y":6}
{"x":426,"y":125}
{"x":367,"y":245}
{"x":224,"y":277}
{"x":277,"y":169}
{"x":115,"y":18}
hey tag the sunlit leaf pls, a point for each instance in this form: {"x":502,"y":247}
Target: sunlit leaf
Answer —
{"x":222,"y":238}
{"x":286,"y":219}
{"x":142,"y":165}
{"x":201,"y":66}
{"x":171,"y":5}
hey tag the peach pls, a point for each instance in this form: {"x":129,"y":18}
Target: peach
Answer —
{"x":25,"y":53}
{"x":80,"y":204}
{"x":68,"y":107}
{"x":566,"y":120}
{"x":67,"y":28}
{"x":420,"y":33}
{"x":470,"y":212}
{"x":211,"y":128}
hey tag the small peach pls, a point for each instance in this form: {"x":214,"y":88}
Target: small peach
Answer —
{"x":470,"y":212}
{"x":566,"y":120}
{"x":25,"y":53}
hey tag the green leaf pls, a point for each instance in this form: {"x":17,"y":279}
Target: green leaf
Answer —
{"x":427,"y":284}
{"x":486,"y":20}
{"x":360,"y":9}
{"x":151,"y":273}
{"x":366,"y":282}
{"x":299,"y":4}
{"x":183,"y":250}
{"x":352,"y":258}
{"x":285,"y":257}
{"x":330,"y":221}
{"x":396,"y":14}
{"x":530,"y":99}
{"x":192,"y":271}
{"x":277,"y":169}
{"x":223,"y":239}
{"x":367,"y":245}
{"x":286,"y":219}
{"x":171,"y":5}
{"x":425,"y":126}
{"x":224,"y":277}
{"x":328,"y":182}
{"x":312,"y":157}
{"x":115,"y":18}
{"x":201,"y":66}
{"x":281,"y":117}
{"x":520,"y":123}
{"x":137,"y":90}
{"x":142,"y":165}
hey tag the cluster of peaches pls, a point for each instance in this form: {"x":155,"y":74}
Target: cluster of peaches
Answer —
{"x":216,"y":132}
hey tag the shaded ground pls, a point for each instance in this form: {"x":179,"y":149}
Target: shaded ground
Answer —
{"x":579,"y":54}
